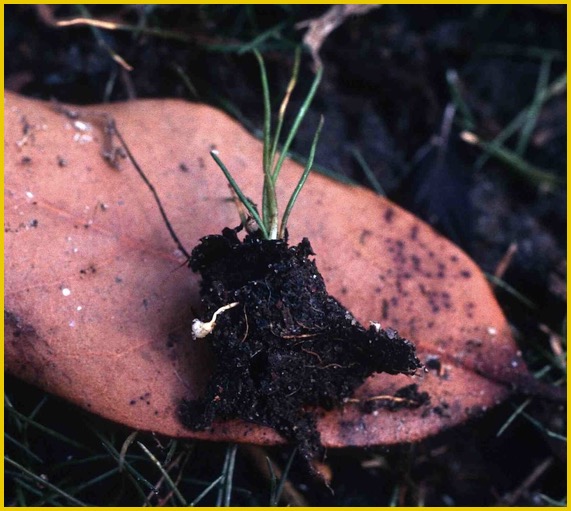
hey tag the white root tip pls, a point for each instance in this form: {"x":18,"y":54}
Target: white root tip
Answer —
{"x":201,"y":329}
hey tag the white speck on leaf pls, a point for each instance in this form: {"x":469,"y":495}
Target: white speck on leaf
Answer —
{"x":82,"y":126}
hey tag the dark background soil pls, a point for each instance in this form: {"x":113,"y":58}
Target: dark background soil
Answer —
{"x":383,"y":96}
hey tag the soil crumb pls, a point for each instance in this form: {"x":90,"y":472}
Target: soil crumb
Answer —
{"x":287,"y":346}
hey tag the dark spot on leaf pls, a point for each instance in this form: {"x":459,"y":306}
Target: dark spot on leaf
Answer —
{"x":389,"y":215}
{"x":90,"y":269}
{"x":385,"y":309}
{"x":433,"y":363}
{"x":442,"y":410}
{"x":364,"y":235}
{"x":26,"y":126}
{"x":474,"y":343}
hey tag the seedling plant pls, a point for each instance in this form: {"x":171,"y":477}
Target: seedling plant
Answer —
{"x":284,"y":347}
{"x":268,"y":221}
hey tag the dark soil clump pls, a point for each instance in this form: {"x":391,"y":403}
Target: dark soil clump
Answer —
{"x":288,"y":345}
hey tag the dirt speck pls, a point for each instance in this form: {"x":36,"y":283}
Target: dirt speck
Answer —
{"x":389,"y":215}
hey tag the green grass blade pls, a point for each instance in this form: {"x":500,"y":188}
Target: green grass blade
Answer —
{"x":557,"y":87}
{"x":164,"y":473}
{"x":368,"y":171}
{"x":225,"y":488}
{"x":285,"y":102}
{"x":186,"y":80}
{"x":207,"y":490}
{"x":514,"y":292}
{"x":33,"y":456}
{"x":48,"y":431}
{"x":21,"y":496}
{"x":302,"y":180}
{"x":453,"y":83}
{"x":273,"y":483}
{"x":258,"y":40}
{"x":297,"y":122}
{"x":269,"y":201}
{"x":136,"y":478}
{"x":8,"y":406}
{"x":283,"y":478}
{"x":541,"y":427}
{"x":553,"y":502}
{"x":513,"y":416}
{"x":243,"y":199}
{"x":97,"y":479}
{"x":126,"y":444}
{"x":45,"y":483}
{"x":77,"y":462}
{"x":227,"y":484}
{"x":535,"y":107}
{"x":267,"y":107}
{"x":533,"y":174}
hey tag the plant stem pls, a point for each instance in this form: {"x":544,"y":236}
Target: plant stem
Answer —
{"x":268,"y":222}
{"x":247,"y":203}
{"x":297,"y":122}
{"x":302,"y":180}
{"x":269,"y":199}
{"x":283,"y":106}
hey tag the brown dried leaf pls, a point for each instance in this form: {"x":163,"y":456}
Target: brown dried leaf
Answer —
{"x":98,"y":308}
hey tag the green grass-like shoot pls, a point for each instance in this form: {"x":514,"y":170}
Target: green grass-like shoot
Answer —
{"x":269,"y":222}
